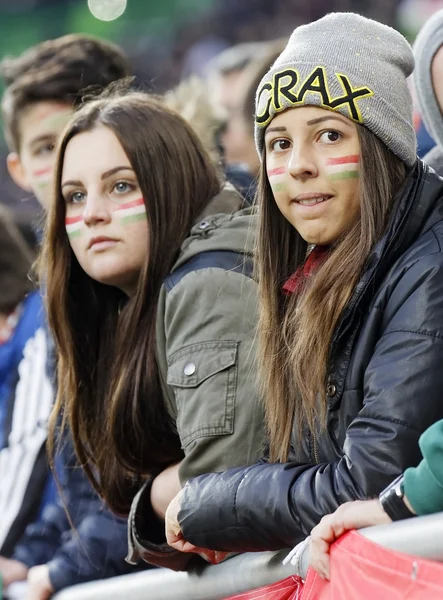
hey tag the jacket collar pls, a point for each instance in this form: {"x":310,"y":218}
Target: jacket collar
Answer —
{"x":227,"y":201}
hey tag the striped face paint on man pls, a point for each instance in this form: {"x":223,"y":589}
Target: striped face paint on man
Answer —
{"x":40,"y":128}
{"x":312,"y":164}
{"x":106,"y":219}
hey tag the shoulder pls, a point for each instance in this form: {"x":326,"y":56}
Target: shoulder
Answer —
{"x":412,"y":293}
{"x":206,"y":264}
{"x":434,"y":158}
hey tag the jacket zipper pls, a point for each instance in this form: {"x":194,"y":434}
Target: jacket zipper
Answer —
{"x":315,"y":448}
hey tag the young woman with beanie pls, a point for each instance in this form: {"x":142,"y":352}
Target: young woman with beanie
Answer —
{"x":351,"y":331}
{"x":152,"y":306}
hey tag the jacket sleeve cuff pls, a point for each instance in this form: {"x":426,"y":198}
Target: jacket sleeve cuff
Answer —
{"x":146,"y":536}
{"x":22,"y":555}
{"x":59,"y":576}
{"x":423,"y":491}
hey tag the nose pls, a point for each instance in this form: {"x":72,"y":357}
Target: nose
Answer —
{"x":96,"y":209}
{"x":301,"y":163}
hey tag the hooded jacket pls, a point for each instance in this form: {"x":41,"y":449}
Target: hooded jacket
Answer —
{"x":206,"y":318}
{"x":384,"y":389}
{"x":427,"y":43}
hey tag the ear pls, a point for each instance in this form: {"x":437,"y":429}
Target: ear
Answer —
{"x":17,"y":171}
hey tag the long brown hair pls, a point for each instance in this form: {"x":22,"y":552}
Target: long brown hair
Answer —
{"x":295,"y":332}
{"x":109,"y":389}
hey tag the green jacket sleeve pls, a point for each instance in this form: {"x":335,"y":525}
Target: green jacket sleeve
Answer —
{"x":423,"y":485}
{"x":206,"y":357}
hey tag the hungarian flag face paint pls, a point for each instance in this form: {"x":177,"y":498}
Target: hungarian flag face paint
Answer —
{"x":276,"y":179}
{"x":129,"y":212}
{"x":74,"y":226}
{"x":342,"y":167}
{"x":126,"y":213}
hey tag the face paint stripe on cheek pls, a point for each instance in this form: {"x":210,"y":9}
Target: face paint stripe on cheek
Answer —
{"x":343,"y":167}
{"x":73,"y":226}
{"x":131,"y":212}
{"x":275,"y":180}
{"x":40,"y":172}
{"x":276,"y":171}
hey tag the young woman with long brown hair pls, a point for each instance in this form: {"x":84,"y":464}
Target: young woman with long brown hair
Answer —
{"x":152,"y":307}
{"x":351,"y":331}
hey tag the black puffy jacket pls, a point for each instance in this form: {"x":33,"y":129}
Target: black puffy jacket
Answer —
{"x":385,"y":388}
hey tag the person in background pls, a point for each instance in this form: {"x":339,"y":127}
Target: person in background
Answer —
{"x":350,"y":271}
{"x":134,"y":253}
{"x":419,"y":491}
{"x":25,"y":389}
{"x":43,"y":85}
{"x":231,"y":86}
{"x":428,"y":80}
{"x":237,"y":136}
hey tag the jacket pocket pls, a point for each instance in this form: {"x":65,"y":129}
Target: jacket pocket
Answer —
{"x":203,"y":377}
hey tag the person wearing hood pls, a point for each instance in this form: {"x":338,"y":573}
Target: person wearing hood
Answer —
{"x":428,"y":80}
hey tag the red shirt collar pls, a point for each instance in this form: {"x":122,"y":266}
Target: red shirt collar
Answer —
{"x":313,"y":261}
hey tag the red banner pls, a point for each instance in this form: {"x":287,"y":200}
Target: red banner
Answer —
{"x":361,"y":570}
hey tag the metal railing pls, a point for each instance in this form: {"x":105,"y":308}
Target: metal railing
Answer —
{"x":421,"y":536}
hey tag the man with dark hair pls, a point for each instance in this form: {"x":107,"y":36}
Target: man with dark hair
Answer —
{"x":43,"y":87}
{"x":44,"y":84}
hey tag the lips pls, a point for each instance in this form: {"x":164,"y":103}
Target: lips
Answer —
{"x":100,"y":239}
{"x":311,"y":198}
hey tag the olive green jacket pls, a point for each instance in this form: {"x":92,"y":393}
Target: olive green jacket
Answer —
{"x":206,"y":357}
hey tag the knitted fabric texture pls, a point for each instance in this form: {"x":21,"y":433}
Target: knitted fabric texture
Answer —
{"x":350,"y":64}
{"x":428,"y":41}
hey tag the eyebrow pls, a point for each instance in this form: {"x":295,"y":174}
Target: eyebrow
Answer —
{"x":326,"y":118}
{"x":42,"y":138}
{"x":104,"y":176}
{"x":269,"y":129}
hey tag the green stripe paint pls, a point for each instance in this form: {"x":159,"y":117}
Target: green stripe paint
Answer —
{"x":134,"y":218}
{"x":278,"y":187}
{"x":343,"y":175}
{"x":74,"y":234}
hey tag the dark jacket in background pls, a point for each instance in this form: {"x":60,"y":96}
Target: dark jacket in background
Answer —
{"x":37,"y":530}
{"x":385,"y":389}
{"x":26,"y":397}
{"x":95,"y":549}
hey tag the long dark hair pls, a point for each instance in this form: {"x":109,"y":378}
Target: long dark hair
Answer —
{"x":109,"y":388}
{"x":296,"y":332}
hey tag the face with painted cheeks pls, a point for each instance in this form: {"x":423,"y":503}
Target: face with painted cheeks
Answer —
{"x":312,"y":162}
{"x":105,"y":212}
{"x":32,"y":167}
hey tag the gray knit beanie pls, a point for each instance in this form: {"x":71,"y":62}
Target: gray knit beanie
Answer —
{"x":428,"y":41}
{"x":350,"y":64}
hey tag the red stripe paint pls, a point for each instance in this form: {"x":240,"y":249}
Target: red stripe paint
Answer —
{"x":72,"y":220}
{"x":44,"y":171}
{"x":276,"y":171}
{"x":342,"y":160}
{"x":131,"y":204}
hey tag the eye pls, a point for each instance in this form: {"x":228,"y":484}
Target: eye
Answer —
{"x":121,"y":187}
{"x":330,"y":137}
{"x":76,"y":197}
{"x":280,"y":145}
{"x":45,"y":149}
